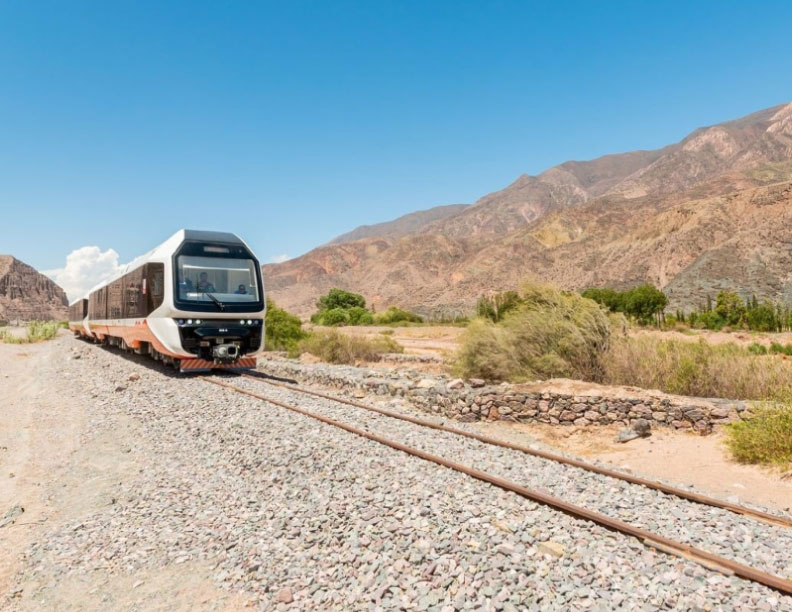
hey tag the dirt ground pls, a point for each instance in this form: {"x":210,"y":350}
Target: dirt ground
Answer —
{"x":442,"y":340}
{"x":680,"y":457}
{"x":58,"y":466}
{"x":439,"y":340}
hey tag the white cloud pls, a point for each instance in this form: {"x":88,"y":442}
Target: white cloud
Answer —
{"x":85,"y":267}
{"x":279,"y":258}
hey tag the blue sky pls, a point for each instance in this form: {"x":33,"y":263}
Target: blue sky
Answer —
{"x":292,"y":122}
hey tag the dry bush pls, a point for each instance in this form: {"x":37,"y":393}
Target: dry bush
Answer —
{"x":552,"y":333}
{"x":333,"y":346}
{"x":765,"y":437}
{"x":697,"y":368}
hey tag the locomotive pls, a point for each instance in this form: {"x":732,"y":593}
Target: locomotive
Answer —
{"x":196,"y":302}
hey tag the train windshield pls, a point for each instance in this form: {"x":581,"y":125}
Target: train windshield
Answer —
{"x":229,"y":280}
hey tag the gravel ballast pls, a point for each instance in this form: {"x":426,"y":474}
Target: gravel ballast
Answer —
{"x":296,"y":514}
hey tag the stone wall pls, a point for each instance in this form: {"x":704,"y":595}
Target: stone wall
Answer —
{"x":473,"y":400}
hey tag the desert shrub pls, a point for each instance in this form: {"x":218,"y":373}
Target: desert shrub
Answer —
{"x":551,"y":333}
{"x":697,"y":368}
{"x":485,"y":352}
{"x":496,"y":306}
{"x":764,"y":437}
{"x":397,"y":315}
{"x":334,"y":347}
{"x":283,"y":330}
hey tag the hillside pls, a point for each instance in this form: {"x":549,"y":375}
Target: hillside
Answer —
{"x":26,"y":294}
{"x":708,"y":212}
{"x":402,"y":226}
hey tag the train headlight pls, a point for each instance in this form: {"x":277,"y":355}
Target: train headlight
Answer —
{"x":197,"y":321}
{"x":250,"y":322}
{"x":242,"y":321}
{"x":181,"y":321}
{"x":189,"y":321}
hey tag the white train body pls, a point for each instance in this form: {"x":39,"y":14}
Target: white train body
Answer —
{"x":197,"y":301}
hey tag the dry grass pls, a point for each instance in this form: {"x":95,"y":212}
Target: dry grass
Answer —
{"x":35,"y":331}
{"x":335,"y":347}
{"x":764,"y":438}
{"x":698,"y":368}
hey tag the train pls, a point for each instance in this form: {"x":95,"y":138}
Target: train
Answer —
{"x":195,"y":302}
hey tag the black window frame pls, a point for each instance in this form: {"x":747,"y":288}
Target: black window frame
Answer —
{"x":195,"y":248}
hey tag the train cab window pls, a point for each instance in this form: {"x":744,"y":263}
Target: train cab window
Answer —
{"x":230,"y":280}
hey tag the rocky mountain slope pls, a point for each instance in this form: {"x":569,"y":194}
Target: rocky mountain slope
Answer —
{"x":402,"y":226}
{"x":708,"y":212}
{"x":26,"y":294}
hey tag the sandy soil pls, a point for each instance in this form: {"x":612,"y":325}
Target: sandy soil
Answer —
{"x":59,"y":466}
{"x":679,"y":457}
{"x":443,"y":340}
{"x":420,"y":340}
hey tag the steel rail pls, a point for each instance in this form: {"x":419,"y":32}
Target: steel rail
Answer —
{"x":657,"y":541}
{"x":650,"y":484}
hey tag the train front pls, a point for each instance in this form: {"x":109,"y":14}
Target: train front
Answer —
{"x":218,"y":300}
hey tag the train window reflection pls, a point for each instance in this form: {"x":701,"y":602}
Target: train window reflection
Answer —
{"x":229,"y":280}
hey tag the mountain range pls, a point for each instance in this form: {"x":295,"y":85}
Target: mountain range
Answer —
{"x":710,"y":212}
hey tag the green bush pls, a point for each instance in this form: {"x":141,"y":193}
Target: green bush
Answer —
{"x":338,"y":298}
{"x":780,"y":349}
{"x":359,"y":316}
{"x":341,"y":307}
{"x":283,"y":330}
{"x":397,"y":315}
{"x":333,"y":346}
{"x":757,"y":349}
{"x":552,"y":333}
{"x":765,"y":437}
{"x":333,"y":317}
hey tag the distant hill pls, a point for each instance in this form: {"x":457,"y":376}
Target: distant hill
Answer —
{"x":402,"y":226}
{"x":711,"y":211}
{"x":26,"y":294}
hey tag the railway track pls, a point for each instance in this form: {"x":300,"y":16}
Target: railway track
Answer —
{"x":651,"y":539}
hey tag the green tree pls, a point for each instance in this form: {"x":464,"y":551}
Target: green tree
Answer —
{"x":610,"y":298}
{"x":730,"y":308}
{"x":645,"y":302}
{"x":338,"y":298}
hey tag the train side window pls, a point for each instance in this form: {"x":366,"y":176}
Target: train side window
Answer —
{"x":155,"y":285}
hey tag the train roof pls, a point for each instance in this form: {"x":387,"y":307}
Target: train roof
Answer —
{"x":164,"y":251}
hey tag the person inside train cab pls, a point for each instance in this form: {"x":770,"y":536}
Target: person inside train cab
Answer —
{"x":185,"y":286}
{"x":204,"y":284}
{"x":241,"y":290}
